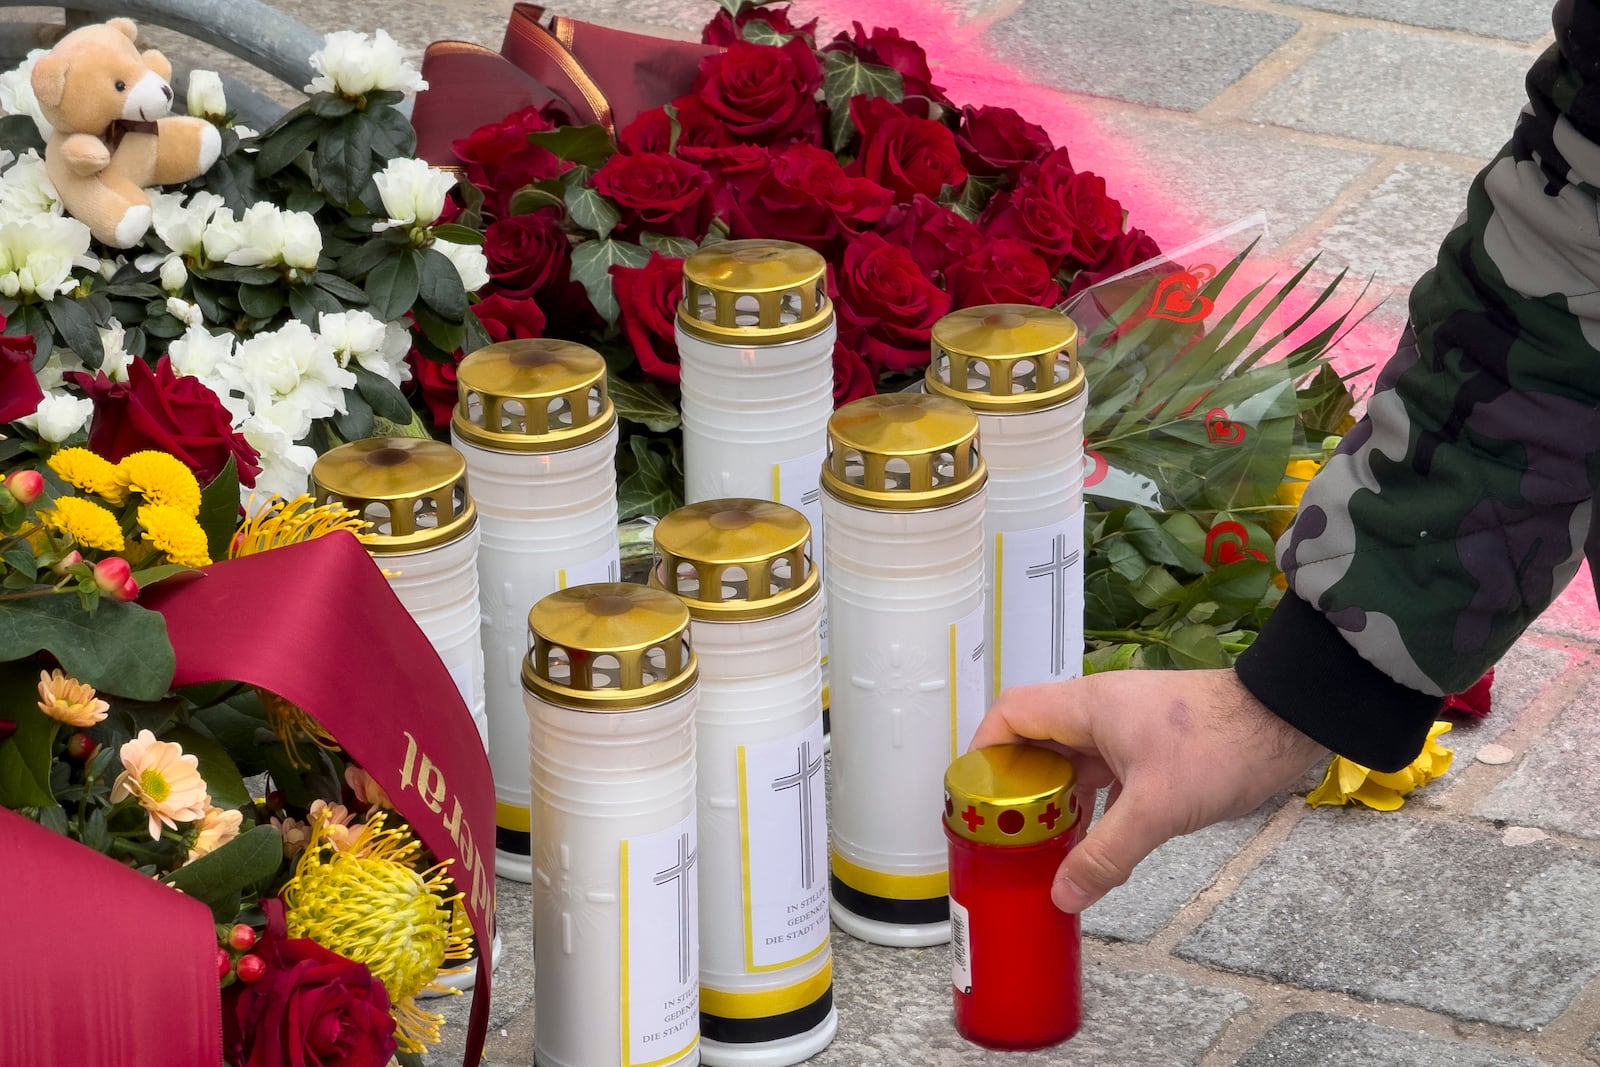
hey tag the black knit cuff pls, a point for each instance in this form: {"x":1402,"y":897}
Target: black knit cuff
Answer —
{"x":1303,"y":669}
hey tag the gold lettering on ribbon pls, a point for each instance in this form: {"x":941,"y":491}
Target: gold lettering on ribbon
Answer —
{"x":421,"y":774}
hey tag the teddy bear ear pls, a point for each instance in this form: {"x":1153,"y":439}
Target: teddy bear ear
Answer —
{"x":49,"y":79}
{"x":125,"y":27}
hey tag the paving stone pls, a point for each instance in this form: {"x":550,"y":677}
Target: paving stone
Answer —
{"x":1442,"y":916}
{"x":1188,"y":53}
{"x":1392,"y":87}
{"x":1555,"y":786}
{"x":1519,"y":678}
{"x":1170,"y":877}
{"x":1514,"y":20}
{"x":1393,"y":233}
{"x":512,"y":987}
{"x":1317,"y":1039}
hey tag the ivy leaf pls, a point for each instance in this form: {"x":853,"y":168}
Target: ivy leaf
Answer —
{"x":591,"y":210}
{"x":760,"y":31}
{"x":534,"y":197}
{"x":648,"y":490}
{"x":643,"y":402}
{"x":589,"y":146}
{"x":121,"y":648}
{"x":217,"y":878}
{"x":973,"y":196}
{"x":844,"y":75}
{"x":392,"y":286}
{"x":591,"y":266}
{"x":671,"y":247}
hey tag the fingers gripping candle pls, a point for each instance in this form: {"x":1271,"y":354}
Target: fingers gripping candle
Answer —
{"x":766,"y":969}
{"x":424,"y":535}
{"x":610,"y":688}
{"x":1016,"y":367}
{"x":903,"y":499}
{"x":755,"y":333}
{"x":539,"y":436}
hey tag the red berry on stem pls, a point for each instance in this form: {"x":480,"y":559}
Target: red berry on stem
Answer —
{"x":251,"y":967}
{"x":80,"y":746}
{"x":224,"y":963}
{"x":242,"y":937}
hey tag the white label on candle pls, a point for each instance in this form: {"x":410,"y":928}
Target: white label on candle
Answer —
{"x":461,"y":674}
{"x":1038,"y":604}
{"x":969,"y":662}
{"x":797,"y":483}
{"x":783,"y":838}
{"x":960,"y":947}
{"x":660,"y":945}
{"x":606,"y":567}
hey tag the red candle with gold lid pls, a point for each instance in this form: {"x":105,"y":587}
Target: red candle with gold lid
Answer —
{"x":1016,"y":961}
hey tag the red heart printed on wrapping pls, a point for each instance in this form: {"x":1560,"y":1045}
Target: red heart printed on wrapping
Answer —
{"x":1229,"y":542}
{"x":1221,"y":430}
{"x":1095,"y":468}
{"x":1178,"y":297}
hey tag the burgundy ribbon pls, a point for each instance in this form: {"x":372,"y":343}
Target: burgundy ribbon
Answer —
{"x":317,"y":624}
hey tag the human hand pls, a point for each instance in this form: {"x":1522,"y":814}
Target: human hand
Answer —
{"x":1179,"y":749}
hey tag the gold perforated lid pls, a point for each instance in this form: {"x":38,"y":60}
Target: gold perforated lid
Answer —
{"x":610,"y":646}
{"x":1006,"y":358}
{"x":1010,"y":795}
{"x":903,"y":451}
{"x":413,"y":491}
{"x":736,"y":559}
{"x":538,"y":395}
{"x":755,"y":292}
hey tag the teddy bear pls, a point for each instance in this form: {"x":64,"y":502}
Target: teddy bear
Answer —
{"x":113,"y":138}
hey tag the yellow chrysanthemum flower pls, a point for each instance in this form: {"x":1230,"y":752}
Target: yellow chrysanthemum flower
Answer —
{"x":367,"y":902}
{"x":70,"y":701}
{"x":86,"y":522}
{"x":288,"y":522}
{"x":92,"y":473}
{"x":164,"y":779}
{"x":176,"y":533}
{"x":162,"y":478}
{"x":1350,"y":783}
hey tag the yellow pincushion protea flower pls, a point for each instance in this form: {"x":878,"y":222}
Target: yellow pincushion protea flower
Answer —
{"x":92,"y":473}
{"x":162,"y":478}
{"x":288,"y":522}
{"x":175,"y":532}
{"x":367,"y":902}
{"x":86,"y":522}
{"x":1350,"y":783}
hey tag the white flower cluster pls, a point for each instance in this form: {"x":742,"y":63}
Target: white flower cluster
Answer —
{"x":276,"y":384}
{"x":16,"y":93}
{"x":413,"y":192}
{"x":40,"y":247}
{"x":203,"y":228}
{"x":352,"y":65}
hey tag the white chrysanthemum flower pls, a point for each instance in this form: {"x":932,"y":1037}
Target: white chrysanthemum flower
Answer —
{"x":469,"y":261}
{"x":285,"y":466}
{"x":38,"y":255}
{"x":296,"y":367}
{"x":16,"y":93}
{"x":351,"y":65}
{"x":59,"y":416}
{"x":412,"y":191}
{"x":302,"y":240}
{"x":26,"y":190}
{"x":206,"y":99}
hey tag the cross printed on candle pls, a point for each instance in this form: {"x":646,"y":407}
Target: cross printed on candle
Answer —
{"x":679,"y":873}
{"x":800,"y":782}
{"x":1055,"y":568}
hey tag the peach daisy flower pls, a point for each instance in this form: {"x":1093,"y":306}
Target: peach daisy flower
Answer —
{"x":69,"y":700}
{"x":165,"y":780}
{"x":218,"y":826}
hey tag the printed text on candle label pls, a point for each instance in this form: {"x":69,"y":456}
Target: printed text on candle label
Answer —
{"x":661,"y":960}
{"x":784,"y":838}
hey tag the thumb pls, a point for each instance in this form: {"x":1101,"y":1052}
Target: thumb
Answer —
{"x":1114,"y":845}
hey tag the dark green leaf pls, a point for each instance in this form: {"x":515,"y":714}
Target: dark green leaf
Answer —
{"x":461,"y":235}
{"x":223,"y":780}
{"x":25,"y":755}
{"x":307,"y":302}
{"x":973,"y":196}
{"x":356,"y":422}
{"x":365,"y":256}
{"x":219,"y":510}
{"x":261,"y":301}
{"x":392,"y":135}
{"x":121,"y":648}
{"x":208,"y":298}
{"x":671,"y":247}
{"x":31,"y":319}
{"x":392,"y":286}
{"x":592,"y":211}
{"x":344,"y":159}
{"x":439,"y":284}
{"x":591,"y":265}
{"x":531,"y":198}
{"x":648,"y":490}
{"x":77,"y":329}
{"x":643,"y":402}
{"x":18,"y":133}
{"x":589,"y":145}
{"x":226,"y":272}
{"x":218,"y":877}
{"x":95,"y":834}
{"x":383,"y":395}
{"x":282,"y":146}
{"x":346,"y":292}
{"x":330,"y":105}
{"x":845,"y":75}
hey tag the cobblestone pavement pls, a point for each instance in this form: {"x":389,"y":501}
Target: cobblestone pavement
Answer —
{"x":1459,"y":931}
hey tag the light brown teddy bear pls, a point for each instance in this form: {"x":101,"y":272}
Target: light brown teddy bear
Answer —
{"x":113,"y":138}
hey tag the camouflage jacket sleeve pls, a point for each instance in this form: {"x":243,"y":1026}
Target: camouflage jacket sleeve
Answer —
{"x":1459,"y":507}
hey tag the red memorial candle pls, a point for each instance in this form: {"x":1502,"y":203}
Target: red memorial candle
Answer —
{"x":1016,"y":967}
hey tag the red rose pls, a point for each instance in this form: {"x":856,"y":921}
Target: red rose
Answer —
{"x":647,"y":298}
{"x":725,"y":29}
{"x":732,"y":167}
{"x":657,"y":193}
{"x":510,"y":319}
{"x":852,"y":378}
{"x":1064,"y":214}
{"x":935,"y":236}
{"x":903,"y":154}
{"x":886,"y":304}
{"x":1125,"y":250}
{"x":886,"y":48}
{"x":697,"y":126}
{"x":499,"y":160}
{"x":526,"y":253}
{"x":310,"y":1008}
{"x":436,"y":384}
{"x":19,"y":386}
{"x":764,"y":93}
{"x":1003,"y":271}
{"x":157,"y":409}
{"x":804,"y":196}
{"x":997,"y":140}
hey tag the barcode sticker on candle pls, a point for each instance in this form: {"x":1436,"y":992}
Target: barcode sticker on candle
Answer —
{"x":784,"y":849}
{"x":1039,"y":604}
{"x":661,"y":950}
{"x":606,"y":567}
{"x":969,"y":663}
{"x":960,"y":948}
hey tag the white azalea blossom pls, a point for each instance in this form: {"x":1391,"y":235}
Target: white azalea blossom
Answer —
{"x":38,"y":255}
{"x":200,"y":353}
{"x":16,"y":93}
{"x":182,"y":225}
{"x":302,"y":240}
{"x":268,"y":236}
{"x":115,"y":359}
{"x":469,"y":261}
{"x":59,"y":416}
{"x":184,"y":311}
{"x":296,"y":367}
{"x":351,"y":65}
{"x":222,"y":237}
{"x":6,"y":156}
{"x":174,"y":275}
{"x":26,"y":190}
{"x":378,"y":347}
{"x":206,"y":98}
{"x":412,"y":191}
{"x":285,"y":466}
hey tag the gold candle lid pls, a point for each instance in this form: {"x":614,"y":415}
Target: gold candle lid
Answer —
{"x":1010,"y":795}
{"x":413,"y":491}
{"x":903,"y":451}
{"x":1006,"y":358}
{"x":610,"y":646}
{"x":538,"y":395}
{"x":736,"y":559}
{"x":756,"y":292}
